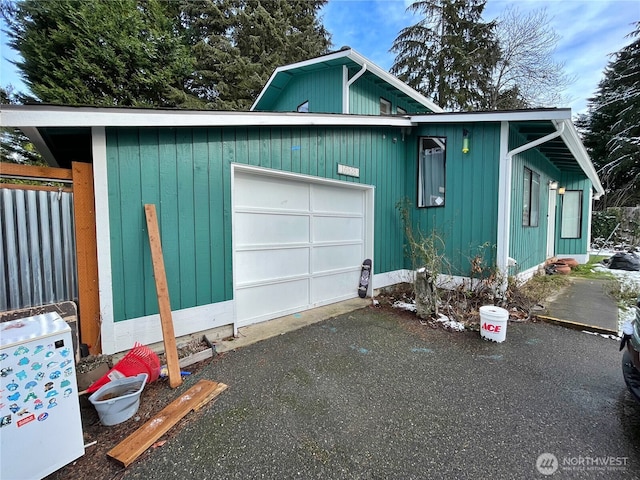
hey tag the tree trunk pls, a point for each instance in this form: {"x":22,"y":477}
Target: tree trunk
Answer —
{"x":426,"y":295}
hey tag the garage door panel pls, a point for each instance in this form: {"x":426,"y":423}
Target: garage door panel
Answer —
{"x":271,"y":193}
{"x":270,"y":229}
{"x":335,"y":287}
{"x":337,"y":199}
{"x":263,"y":265}
{"x":336,"y":257}
{"x":337,"y":229}
{"x":271,"y":300}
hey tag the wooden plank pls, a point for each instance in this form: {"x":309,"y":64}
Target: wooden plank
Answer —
{"x":127,"y":451}
{"x":84,"y":216}
{"x":164,"y":306}
{"x":31,"y":171}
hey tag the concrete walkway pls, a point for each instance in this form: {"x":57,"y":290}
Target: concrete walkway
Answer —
{"x":585,"y":304}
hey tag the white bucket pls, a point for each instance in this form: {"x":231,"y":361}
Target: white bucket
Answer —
{"x":493,"y":323}
{"x":119,"y":399}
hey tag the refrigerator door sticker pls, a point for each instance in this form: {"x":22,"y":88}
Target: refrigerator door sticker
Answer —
{"x":24,"y":421}
{"x":6,"y":420}
{"x":22,"y":375}
{"x":54,"y":375}
{"x":23,"y":361}
{"x":3,"y":356}
{"x":12,"y":387}
{"x":14,"y":408}
{"x":36,"y":366}
{"x":6,"y":371}
{"x":14,"y":397}
{"x":21,"y":351}
{"x":38,"y":404}
{"x":38,"y":349}
{"x":52,"y":403}
{"x":42,"y":417}
{"x":31,"y":396}
{"x":30,"y":385}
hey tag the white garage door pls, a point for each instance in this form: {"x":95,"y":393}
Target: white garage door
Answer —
{"x":297,"y":244}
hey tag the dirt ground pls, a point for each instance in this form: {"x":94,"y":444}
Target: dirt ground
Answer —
{"x":100,"y":439}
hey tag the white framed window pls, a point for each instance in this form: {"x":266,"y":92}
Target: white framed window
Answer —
{"x":385,"y":106}
{"x":303,"y":107}
{"x":571,"y":214}
{"x":531,"y":198}
{"x":401,"y":111}
{"x":431,"y":171}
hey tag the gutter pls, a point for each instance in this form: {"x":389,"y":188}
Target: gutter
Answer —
{"x":504,"y":191}
{"x":347,"y":83}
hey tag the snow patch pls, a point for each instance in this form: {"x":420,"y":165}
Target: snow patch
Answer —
{"x":411,"y":307}
{"x":450,"y":324}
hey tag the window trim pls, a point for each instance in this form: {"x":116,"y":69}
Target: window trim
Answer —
{"x":530,"y":199}
{"x":562,"y":213}
{"x":306,"y":102}
{"x":385,"y":102}
{"x":400,"y":111}
{"x":438,"y":140}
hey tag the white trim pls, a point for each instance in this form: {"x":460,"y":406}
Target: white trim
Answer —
{"x":394,"y":277}
{"x":572,"y":140}
{"x":55,"y":116}
{"x":360,"y":60}
{"x":499,"y":116}
{"x":589,"y":217}
{"x":148,"y":329}
{"x":103,"y":236}
{"x":34,"y":135}
{"x":581,"y":258}
{"x":345,"y":89}
{"x":528,"y":274}
{"x":504,"y":200}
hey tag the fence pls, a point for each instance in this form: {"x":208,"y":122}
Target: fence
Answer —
{"x":37,"y":248}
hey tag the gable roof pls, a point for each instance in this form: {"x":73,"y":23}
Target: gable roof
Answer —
{"x":350,"y":58}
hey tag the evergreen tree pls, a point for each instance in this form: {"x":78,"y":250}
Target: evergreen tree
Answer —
{"x":611,"y":128}
{"x":15,"y":146}
{"x":449,"y":55}
{"x":239,"y":43}
{"x":116,"y":52}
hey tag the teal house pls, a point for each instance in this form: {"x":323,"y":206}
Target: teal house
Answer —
{"x":271,"y":212}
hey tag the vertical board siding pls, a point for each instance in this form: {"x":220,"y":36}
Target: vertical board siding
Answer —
{"x":37,"y":248}
{"x":322,"y":89}
{"x":467,"y":224}
{"x":186,"y":173}
{"x":364,"y":97}
{"x":572,"y":246}
{"x":528,"y":245}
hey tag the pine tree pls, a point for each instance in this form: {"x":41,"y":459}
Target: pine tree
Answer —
{"x":449,"y":54}
{"x":239,"y":43}
{"x":116,"y":52}
{"x":612,"y":126}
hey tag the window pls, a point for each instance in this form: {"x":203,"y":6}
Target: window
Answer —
{"x":385,"y":107}
{"x":431,"y":171}
{"x":571,"y":214}
{"x":303,"y":107}
{"x":401,"y":111}
{"x":531,"y":200}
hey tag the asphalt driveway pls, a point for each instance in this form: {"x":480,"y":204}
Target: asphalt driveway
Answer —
{"x":371,"y":394}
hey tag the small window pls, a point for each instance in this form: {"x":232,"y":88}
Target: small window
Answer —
{"x":385,"y":107}
{"x":571,"y":214}
{"x":303,"y":107}
{"x":531,"y":198}
{"x":431,"y":171}
{"x":401,"y":111}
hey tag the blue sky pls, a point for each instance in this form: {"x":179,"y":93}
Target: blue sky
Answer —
{"x":590,"y":30}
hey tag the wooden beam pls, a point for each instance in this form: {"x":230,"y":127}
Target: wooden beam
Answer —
{"x":84,"y":215}
{"x":127,"y":451}
{"x":162,"y":289}
{"x":30,"y":171}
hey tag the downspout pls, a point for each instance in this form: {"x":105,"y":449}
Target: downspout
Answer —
{"x":347,"y":83}
{"x":504,"y":193}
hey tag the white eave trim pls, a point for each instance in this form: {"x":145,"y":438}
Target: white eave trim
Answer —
{"x":52,"y":116}
{"x":572,"y":140}
{"x":499,"y":116}
{"x":362,"y":61}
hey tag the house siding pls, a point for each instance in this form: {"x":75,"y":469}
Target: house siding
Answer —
{"x":573,"y":246}
{"x":322,"y":89}
{"x":467,"y":224}
{"x":528,"y":245}
{"x":186,"y":173}
{"x":364,"y":97}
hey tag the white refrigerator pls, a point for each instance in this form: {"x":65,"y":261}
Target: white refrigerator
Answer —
{"x":40,"y":423}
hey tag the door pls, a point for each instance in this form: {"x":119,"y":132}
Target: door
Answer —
{"x":298,"y":243}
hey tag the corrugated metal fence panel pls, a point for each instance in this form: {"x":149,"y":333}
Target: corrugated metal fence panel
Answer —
{"x":37,"y":248}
